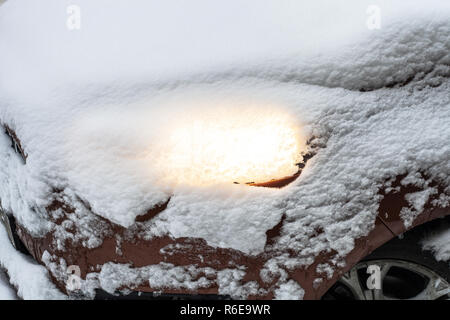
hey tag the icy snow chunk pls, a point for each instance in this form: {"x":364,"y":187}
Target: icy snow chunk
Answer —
{"x":229,"y":217}
{"x":439,"y":243}
{"x":6,"y":291}
{"x":290,"y":290}
{"x":20,"y":189}
{"x":164,"y":275}
{"x":31,"y":279}
{"x":419,"y":199}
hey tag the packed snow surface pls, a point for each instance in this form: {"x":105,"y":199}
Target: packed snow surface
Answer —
{"x":438,"y":243}
{"x":99,"y":111}
{"x":6,"y":292}
{"x":29,"y":278}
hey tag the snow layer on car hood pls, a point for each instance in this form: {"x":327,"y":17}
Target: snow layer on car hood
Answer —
{"x":87,"y":104}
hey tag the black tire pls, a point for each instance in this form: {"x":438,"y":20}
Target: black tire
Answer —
{"x":409,"y":248}
{"x":409,"y":271}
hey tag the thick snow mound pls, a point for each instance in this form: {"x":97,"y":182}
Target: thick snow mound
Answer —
{"x":31,"y":279}
{"x":6,"y":291}
{"x":97,"y":142}
{"x":101,"y":142}
{"x":439,"y":243}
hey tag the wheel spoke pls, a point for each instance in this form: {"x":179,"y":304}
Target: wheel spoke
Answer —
{"x":351,"y":280}
{"x":436,"y":287}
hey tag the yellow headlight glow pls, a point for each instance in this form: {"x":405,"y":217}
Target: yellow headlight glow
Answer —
{"x":227,"y":144}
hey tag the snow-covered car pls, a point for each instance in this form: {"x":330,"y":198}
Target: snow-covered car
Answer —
{"x":250,"y":161}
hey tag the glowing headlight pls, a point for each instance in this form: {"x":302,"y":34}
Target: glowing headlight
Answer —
{"x":232,"y":144}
